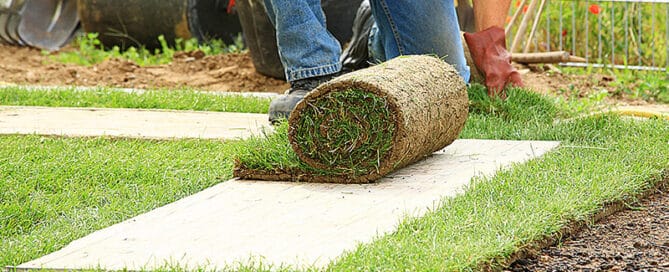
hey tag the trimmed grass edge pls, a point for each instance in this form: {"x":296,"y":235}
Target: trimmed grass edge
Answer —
{"x":570,"y":229}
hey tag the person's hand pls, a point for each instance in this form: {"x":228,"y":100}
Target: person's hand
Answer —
{"x":488,"y":50}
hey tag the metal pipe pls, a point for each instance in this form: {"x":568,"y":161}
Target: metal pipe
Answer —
{"x":573,"y":27}
{"x":652,"y":52}
{"x":561,"y":30}
{"x":640,"y":53}
{"x":627,"y":50}
{"x":548,"y":29}
{"x":599,"y":65}
{"x":599,"y":38}
{"x":613,"y":45}
{"x":587,"y":34}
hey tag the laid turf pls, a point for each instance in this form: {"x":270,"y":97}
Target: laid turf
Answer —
{"x":54,"y":190}
{"x":602,"y":159}
{"x":153,"y":99}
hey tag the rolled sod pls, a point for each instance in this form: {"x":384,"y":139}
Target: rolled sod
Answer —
{"x":363,"y":125}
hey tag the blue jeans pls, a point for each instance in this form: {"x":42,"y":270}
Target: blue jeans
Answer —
{"x":402,"y":27}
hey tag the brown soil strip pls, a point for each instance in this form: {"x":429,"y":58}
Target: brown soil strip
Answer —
{"x":604,"y":246}
{"x":227,"y":72}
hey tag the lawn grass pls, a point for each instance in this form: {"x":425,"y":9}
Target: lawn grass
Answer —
{"x":55,"y":190}
{"x":152,"y":99}
{"x":602,"y":159}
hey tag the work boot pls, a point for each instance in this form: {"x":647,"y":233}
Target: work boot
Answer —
{"x":280,"y":107}
{"x":356,"y":54}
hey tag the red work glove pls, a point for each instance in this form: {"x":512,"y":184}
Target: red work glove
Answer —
{"x":488,"y":50}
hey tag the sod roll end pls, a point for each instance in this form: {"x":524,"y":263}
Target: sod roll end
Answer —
{"x":366,"y":124}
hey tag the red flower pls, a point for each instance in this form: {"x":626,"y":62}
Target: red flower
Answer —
{"x":595,"y":9}
{"x":517,"y":3}
{"x":564,"y":33}
{"x":231,"y":4}
{"x":525,"y":8}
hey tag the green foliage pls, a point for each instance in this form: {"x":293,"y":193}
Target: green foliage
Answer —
{"x":651,"y":86}
{"x":348,"y":132}
{"x":621,"y":33}
{"x":579,"y":26}
{"x":55,"y":190}
{"x":153,"y":99}
{"x":91,"y":51}
{"x":601,"y":159}
{"x":521,"y":105}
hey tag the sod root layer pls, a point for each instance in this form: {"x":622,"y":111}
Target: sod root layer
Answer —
{"x":363,"y":125}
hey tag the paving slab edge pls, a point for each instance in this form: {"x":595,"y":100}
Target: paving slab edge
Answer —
{"x":132,"y":90}
{"x":531,"y":249}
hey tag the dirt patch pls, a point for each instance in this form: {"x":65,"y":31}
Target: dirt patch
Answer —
{"x":229,"y":72}
{"x":632,"y":240}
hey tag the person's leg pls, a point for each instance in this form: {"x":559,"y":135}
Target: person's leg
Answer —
{"x":309,"y":53}
{"x":306,"y":48}
{"x":409,"y":27}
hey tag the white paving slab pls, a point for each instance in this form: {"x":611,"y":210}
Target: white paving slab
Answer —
{"x":286,"y":223}
{"x":130,"y":123}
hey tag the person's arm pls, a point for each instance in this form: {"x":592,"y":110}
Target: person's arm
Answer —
{"x":488,"y":46}
{"x":489,"y":13}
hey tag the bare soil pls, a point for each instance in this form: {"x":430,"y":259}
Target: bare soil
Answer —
{"x":636,"y":239}
{"x":228,"y":72}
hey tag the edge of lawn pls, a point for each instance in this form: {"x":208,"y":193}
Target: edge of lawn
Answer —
{"x":574,"y":227}
{"x":105,"y":97}
{"x":513,"y":121}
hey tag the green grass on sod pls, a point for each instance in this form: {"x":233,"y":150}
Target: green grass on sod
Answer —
{"x":602,"y":159}
{"x":54,"y":190}
{"x":154,"y":99}
{"x":360,"y":132}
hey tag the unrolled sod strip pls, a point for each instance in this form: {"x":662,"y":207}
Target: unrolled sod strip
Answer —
{"x":366,"y":124}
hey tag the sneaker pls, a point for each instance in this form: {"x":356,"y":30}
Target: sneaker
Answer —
{"x":280,"y":107}
{"x":356,"y":54}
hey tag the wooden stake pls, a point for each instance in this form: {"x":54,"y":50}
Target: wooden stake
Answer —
{"x":537,"y":18}
{"x":513,"y":19}
{"x":523,"y":26}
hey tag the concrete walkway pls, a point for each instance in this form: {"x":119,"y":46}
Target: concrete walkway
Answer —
{"x":285,"y":223}
{"x":130,"y":123}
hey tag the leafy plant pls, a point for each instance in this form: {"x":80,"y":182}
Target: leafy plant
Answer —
{"x":90,"y":50}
